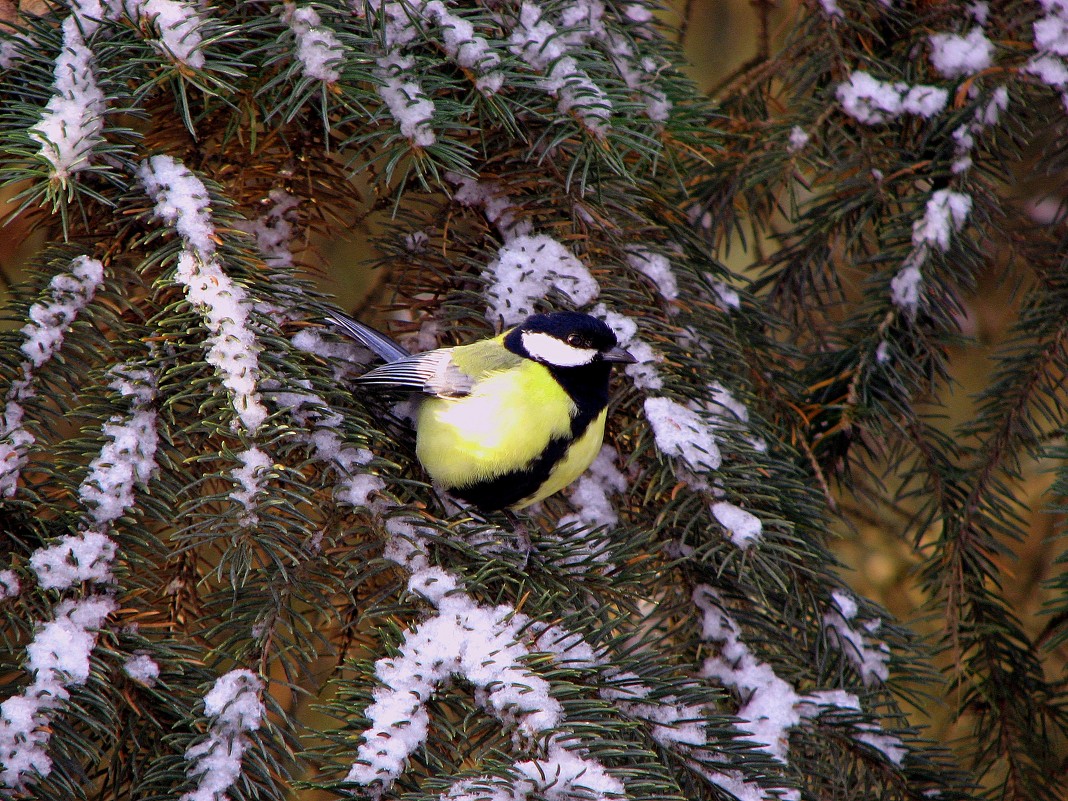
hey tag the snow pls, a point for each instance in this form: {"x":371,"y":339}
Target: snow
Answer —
{"x":13,"y":49}
{"x":320,"y":427}
{"x":478,"y":643}
{"x":728,"y":296}
{"x":643,"y":372}
{"x":798,"y":139}
{"x":1048,"y":210}
{"x":846,"y":604}
{"x":673,"y":724}
{"x":657,"y":268}
{"x":127,"y":459}
{"x":945,"y":214}
{"x":870,"y":656}
{"x":58,"y":659}
{"x":889,"y":745}
{"x":489,"y":648}
{"x":16,"y":439}
{"x":905,"y":287}
{"x":133,"y":381}
{"x":399,"y":85}
{"x":61,"y":648}
{"x":274,"y":228}
{"x":731,"y":413}
{"x":51,"y":318}
{"x":182,"y":200}
{"x":722,"y":397}
{"x":991,"y":112}
{"x":924,"y":101}
{"x":494,"y":201}
{"x":985,"y":116}
{"x":743,"y":527}
{"x":73,"y":559}
{"x":682,"y":432}
{"x":142,"y":668}
{"x":1051,"y":70}
{"x":235,"y":708}
{"x":871,"y":101}
{"x":955,"y":56}
{"x":544,"y":48}
{"x":535,"y":39}
{"x":58,"y":655}
{"x":345,"y":357}
{"x":249,"y":480}
{"x":483,"y":788}
{"x":1051,"y":32}
{"x":404,"y":97}
{"x":733,"y":781}
{"x":465,"y":47}
{"x":66,"y":295}
{"x":9,"y":584}
{"x":638,"y":13}
{"x":831,"y":9}
{"x":180,"y":25}
{"x":575,"y":90}
{"x":318,"y":49}
{"x":234,"y":701}
{"x":1051,"y":43}
{"x":771,"y":707}
{"x":638,"y":73}
{"x":590,"y":493}
{"x":455,"y":34}
{"x":564,"y":774}
{"x":72,"y":123}
{"x":526,"y":269}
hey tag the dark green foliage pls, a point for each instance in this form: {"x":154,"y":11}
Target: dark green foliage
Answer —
{"x":875,"y":373}
{"x":304,"y":580}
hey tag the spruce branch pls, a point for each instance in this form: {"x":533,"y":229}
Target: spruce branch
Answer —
{"x":266,"y":595}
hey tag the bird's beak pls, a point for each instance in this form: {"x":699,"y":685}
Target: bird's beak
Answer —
{"x":621,"y":355}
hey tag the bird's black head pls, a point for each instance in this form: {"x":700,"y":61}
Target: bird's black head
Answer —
{"x":566,"y":339}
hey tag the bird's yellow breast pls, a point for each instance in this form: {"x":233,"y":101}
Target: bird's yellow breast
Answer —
{"x":504,"y":424}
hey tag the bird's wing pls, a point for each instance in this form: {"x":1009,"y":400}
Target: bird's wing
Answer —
{"x":433,"y":373}
{"x":364,"y":334}
{"x":484,"y":357}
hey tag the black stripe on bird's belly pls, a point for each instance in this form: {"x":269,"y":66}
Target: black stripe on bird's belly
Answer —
{"x":510,"y":488}
{"x":588,"y":388}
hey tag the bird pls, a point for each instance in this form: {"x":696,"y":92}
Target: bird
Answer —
{"x":504,"y":422}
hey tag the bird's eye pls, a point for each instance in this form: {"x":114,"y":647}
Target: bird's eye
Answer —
{"x":577,"y":341}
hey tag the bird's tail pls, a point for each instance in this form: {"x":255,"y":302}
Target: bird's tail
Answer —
{"x":364,"y":334}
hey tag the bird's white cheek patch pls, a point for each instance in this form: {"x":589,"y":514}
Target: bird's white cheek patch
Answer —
{"x":546,"y":348}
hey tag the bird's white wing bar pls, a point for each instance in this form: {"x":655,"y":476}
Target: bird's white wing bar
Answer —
{"x":432,"y":373}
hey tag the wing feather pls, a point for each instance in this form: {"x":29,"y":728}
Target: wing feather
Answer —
{"x":433,"y":373}
{"x":369,"y":337}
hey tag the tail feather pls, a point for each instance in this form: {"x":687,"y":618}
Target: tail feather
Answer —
{"x":364,"y":334}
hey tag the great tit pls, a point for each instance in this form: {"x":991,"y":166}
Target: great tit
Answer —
{"x":510,"y":420}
